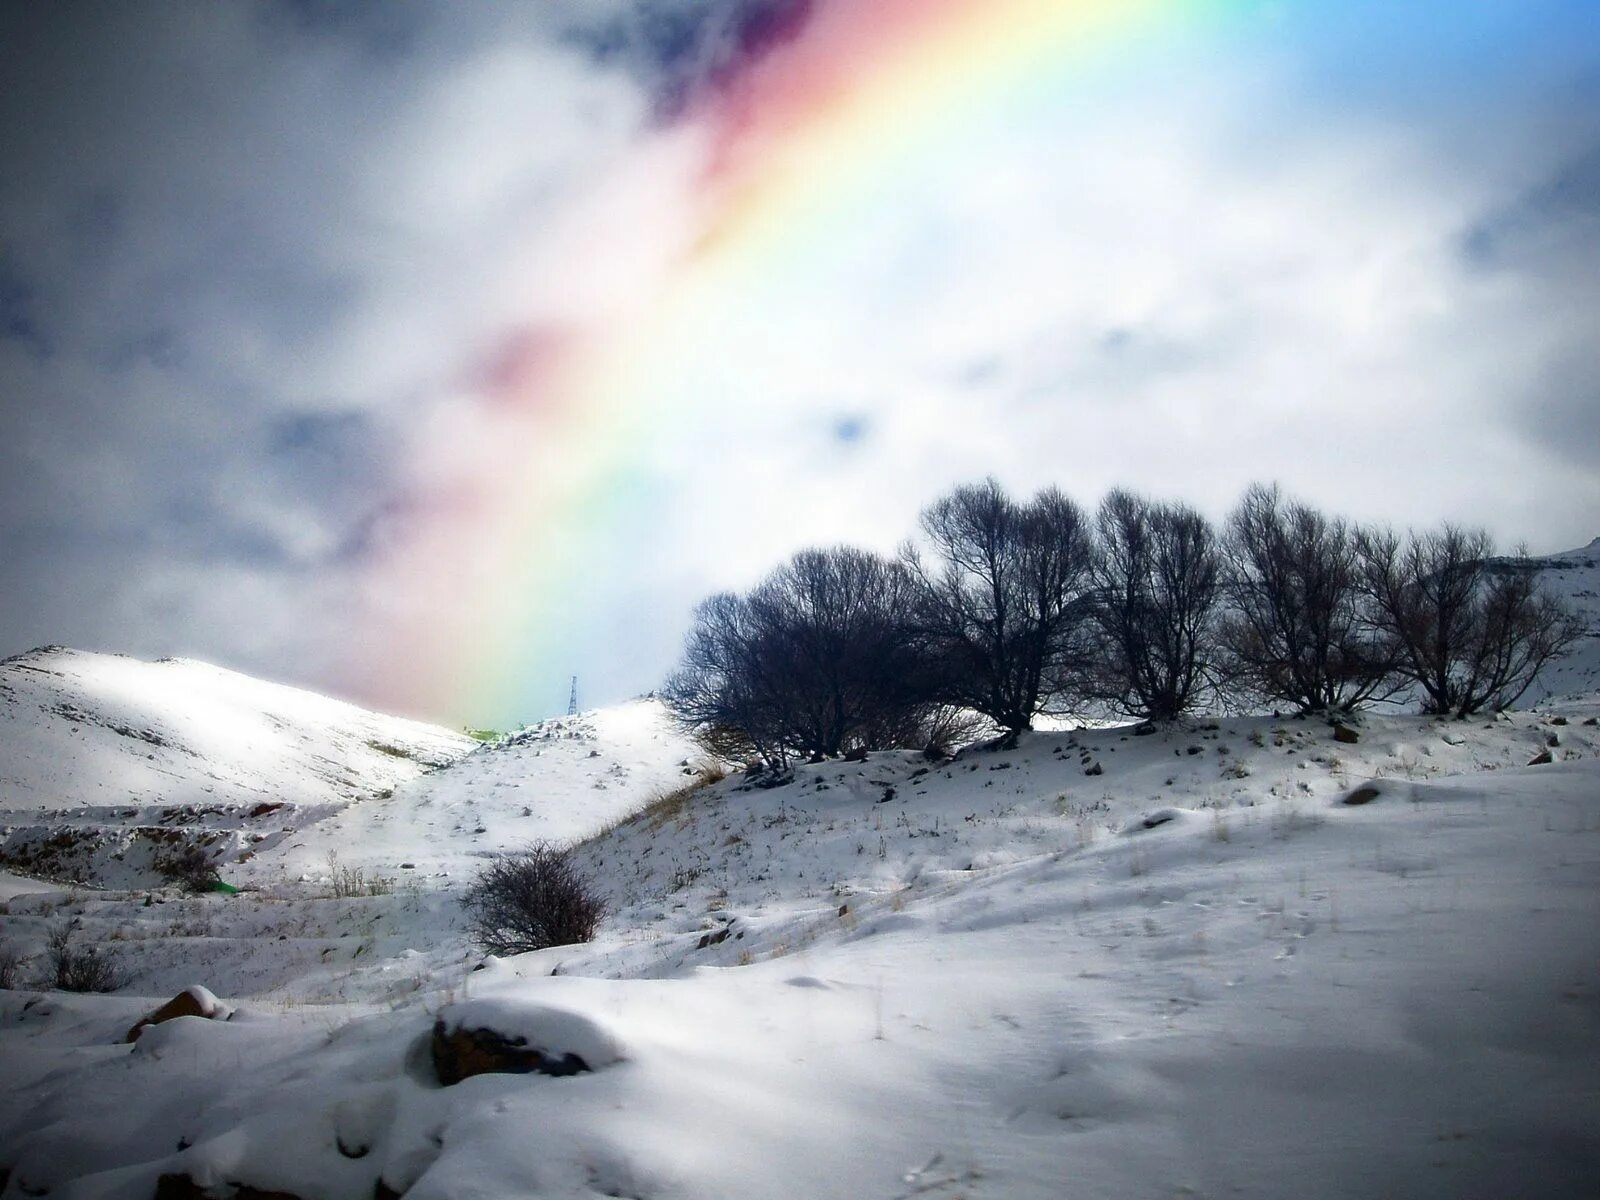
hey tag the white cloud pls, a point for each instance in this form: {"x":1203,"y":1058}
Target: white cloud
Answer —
{"x":271,"y":263}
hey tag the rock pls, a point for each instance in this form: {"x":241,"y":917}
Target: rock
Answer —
{"x":462,"y":1053}
{"x":1097,"y":769}
{"x":1365,"y":794}
{"x":1343,"y":733}
{"x":382,"y":1191}
{"x":859,"y":754}
{"x":193,"y":1001}
{"x":1452,"y":738}
{"x":1539,"y":759}
{"x":712,"y":939}
{"x":1558,"y":720}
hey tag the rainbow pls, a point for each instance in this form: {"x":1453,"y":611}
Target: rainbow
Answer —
{"x":770,"y":170}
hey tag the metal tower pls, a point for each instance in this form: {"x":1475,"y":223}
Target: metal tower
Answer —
{"x":572,"y":698}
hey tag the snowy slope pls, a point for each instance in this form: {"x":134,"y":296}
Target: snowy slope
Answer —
{"x":94,"y":747}
{"x":1574,"y":578}
{"x":559,"y":780}
{"x":1101,"y":964}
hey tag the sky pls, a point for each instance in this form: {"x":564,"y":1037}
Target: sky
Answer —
{"x":431,"y":354}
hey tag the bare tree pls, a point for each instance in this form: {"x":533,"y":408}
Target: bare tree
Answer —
{"x":1157,"y":582}
{"x":1296,"y":631}
{"x":725,"y":690}
{"x":817,"y":659}
{"x":1003,"y":606}
{"x":1471,"y":633}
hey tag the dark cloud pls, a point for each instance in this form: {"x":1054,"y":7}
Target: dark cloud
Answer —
{"x":1563,"y":207}
{"x":18,"y":319}
{"x":224,"y":300}
{"x":1543,"y":249}
{"x":682,"y":49}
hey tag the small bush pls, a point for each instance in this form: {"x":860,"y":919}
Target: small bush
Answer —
{"x":78,"y":970}
{"x":189,"y":868}
{"x":348,"y":882}
{"x":531,"y":900}
{"x":946,"y":729}
{"x":11,"y":961}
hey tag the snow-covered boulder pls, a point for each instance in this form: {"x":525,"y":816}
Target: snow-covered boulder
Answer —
{"x":507,"y":1036}
{"x":194,"y":1001}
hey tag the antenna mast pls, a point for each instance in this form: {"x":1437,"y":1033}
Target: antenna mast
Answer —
{"x":572,"y":698}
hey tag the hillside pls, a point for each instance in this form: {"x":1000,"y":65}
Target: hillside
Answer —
{"x":1573,"y":577}
{"x":109,"y":764}
{"x":1132,"y":965}
{"x":561,"y":780}
{"x":106,"y":762}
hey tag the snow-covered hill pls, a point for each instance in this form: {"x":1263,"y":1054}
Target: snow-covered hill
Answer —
{"x":559,"y":780}
{"x":1103,"y":963}
{"x":1574,"y":578}
{"x":107,"y":761}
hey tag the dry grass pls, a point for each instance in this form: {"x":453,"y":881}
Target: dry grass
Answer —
{"x":666,"y":807}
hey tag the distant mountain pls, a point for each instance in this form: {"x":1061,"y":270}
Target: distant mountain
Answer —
{"x":1572,"y":576}
{"x":128,"y":749}
{"x":109,"y":766}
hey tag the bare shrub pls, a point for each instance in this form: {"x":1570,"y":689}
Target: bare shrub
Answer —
{"x":11,"y":960}
{"x":946,"y":729}
{"x":531,"y":900}
{"x":348,"y":882}
{"x":190,"y":868}
{"x":78,"y":969}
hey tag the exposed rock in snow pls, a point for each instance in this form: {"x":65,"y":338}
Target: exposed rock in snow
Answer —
{"x":193,"y":1001}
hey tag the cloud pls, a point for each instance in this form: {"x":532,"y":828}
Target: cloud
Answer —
{"x":240,"y":248}
{"x":264,"y":270}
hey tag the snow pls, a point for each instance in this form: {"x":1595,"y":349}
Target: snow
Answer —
{"x":1196,"y":973}
{"x":102,"y":727}
{"x":559,"y":780}
{"x":552,"y":1030}
{"x":108,"y":764}
{"x":1573,"y":577}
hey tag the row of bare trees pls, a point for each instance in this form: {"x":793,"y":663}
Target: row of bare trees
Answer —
{"x":1011,"y":609}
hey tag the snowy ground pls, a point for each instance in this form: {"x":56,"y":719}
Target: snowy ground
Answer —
{"x":1101,"y":964}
